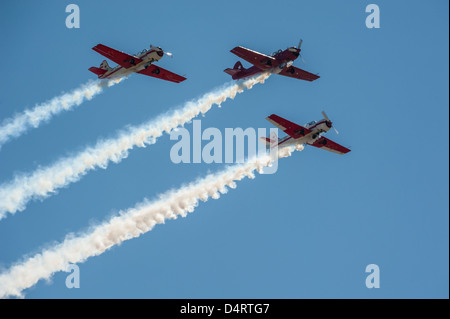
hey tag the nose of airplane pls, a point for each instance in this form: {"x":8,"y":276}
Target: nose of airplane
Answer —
{"x":158,"y":50}
{"x":329,"y":123}
{"x":296,"y":52}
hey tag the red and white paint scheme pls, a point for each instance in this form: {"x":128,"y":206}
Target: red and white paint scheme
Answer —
{"x":140,"y":63}
{"x":280,"y":62}
{"x":310,"y":134}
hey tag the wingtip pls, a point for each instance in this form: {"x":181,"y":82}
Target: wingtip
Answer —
{"x":181,"y":79}
{"x":235,"y":48}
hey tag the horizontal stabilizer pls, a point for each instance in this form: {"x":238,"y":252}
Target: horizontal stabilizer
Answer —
{"x":238,"y":67}
{"x":97,"y":71}
{"x":231,"y":71}
{"x":270,"y":142}
{"x":266,"y":140}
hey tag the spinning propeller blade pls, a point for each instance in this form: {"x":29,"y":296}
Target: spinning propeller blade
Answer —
{"x":298,"y":47}
{"x":328,"y":119}
{"x":325,"y":116}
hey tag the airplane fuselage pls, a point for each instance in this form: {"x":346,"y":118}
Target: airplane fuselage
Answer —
{"x":147,"y":57}
{"x":284,"y":59}
{"x":317,"y":129}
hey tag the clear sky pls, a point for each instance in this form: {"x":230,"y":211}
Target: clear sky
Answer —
{"x":308,"y":231}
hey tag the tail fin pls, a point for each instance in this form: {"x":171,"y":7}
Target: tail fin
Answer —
{"x":105,"y":66}
{"x":236,"y":69}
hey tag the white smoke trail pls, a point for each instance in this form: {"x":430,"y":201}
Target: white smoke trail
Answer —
{"x":32,"y":118}
{"x":128,"y":224}
{"x":40,"y":184}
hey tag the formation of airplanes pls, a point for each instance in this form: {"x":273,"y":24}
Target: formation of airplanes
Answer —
{"x":280,"y":62}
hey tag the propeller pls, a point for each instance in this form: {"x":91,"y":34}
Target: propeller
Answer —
{"x":301,"y":58}
{"x":337,"y":132}
{"x":327,"y":118}
{"x":298,"y":47}
{"x":169,"y":54}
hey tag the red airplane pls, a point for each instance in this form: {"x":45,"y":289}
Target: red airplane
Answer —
{"x":139,"y":63}
{"x":311,"y":134}
{"x":280,"y":62}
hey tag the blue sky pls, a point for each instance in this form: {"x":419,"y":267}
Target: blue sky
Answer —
{"x":308,"y":231}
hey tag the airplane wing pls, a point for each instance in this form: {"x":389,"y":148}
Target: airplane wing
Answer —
{"x":123,"y":59}
{"x":160,"y":73}
{"x":297,"y":73}
{"x":292,"y":129}
{"x":331,"y":146}
{"x":260,"y":60}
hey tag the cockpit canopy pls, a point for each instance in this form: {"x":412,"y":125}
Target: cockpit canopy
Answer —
{"x":311,"y":123}
{"x":141,"y":52}
{"x":276,"y":52}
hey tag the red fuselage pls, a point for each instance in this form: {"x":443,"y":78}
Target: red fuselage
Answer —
{"x":282,"y":59}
